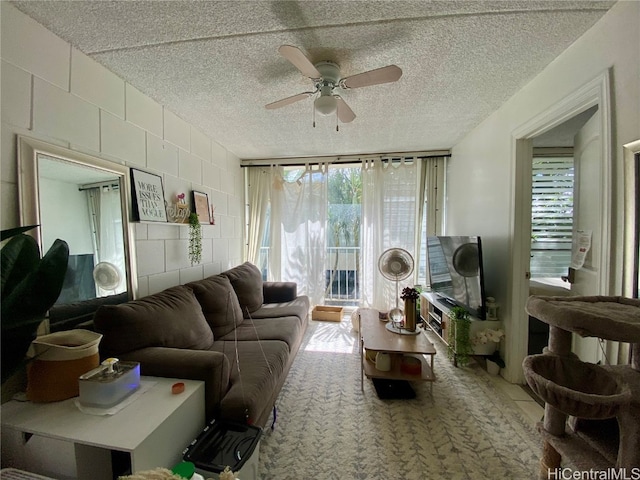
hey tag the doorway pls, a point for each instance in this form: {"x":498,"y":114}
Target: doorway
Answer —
{"x":587,"y":103}
{"x":557,"y":160}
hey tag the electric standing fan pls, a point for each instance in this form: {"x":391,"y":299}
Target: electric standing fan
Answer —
{"x":466,"y":262}
{"x":106,"y":275}
{"x":395,"y":264}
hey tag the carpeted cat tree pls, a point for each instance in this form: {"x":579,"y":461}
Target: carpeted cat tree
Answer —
{"x":602,"y":402}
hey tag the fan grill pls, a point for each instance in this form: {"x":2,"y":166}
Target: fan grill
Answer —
{"x":106,"y":275}
{"x":395,"y":264}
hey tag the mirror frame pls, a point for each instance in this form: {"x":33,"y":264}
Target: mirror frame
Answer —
{"x":631,"y":217}
{"x":29,"y":193}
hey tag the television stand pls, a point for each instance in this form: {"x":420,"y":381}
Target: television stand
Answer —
{"x":446,"y":301}
{"x":436,"y":314}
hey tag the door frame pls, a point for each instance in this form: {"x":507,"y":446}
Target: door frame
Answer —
{"x":595,"y":92}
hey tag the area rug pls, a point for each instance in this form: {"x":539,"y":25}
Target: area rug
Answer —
{"x":328,"y":428}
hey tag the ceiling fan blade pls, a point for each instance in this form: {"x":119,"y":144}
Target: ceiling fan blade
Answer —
{"x":299,"y":60}
{"x":288,"y":100}
{"x":345,"y":114}
{"x":390,"y":73}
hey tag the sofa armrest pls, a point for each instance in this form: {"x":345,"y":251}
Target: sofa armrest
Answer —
{"x":210,"y":367}
{"x":278,"y":292}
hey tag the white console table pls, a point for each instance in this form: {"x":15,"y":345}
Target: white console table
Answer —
{"x":58,"y":440}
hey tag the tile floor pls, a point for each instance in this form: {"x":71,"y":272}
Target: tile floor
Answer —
{"x":520,"y":397}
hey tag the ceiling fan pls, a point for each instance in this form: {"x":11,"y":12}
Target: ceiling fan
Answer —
{"x":326,"y":79}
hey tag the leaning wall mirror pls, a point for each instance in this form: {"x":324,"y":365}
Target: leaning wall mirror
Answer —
{"x":631,"y":153}
{"x":83,"y":200}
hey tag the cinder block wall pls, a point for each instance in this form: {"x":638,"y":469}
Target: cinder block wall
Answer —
{"x":53,"y":92}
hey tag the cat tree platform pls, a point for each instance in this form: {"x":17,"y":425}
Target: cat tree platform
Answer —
{"x":602,"y":403}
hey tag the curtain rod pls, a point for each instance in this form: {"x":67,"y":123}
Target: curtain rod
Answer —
{"x":110,"y":183}
{"x":291,"y":162}
{"x":552,"y":151}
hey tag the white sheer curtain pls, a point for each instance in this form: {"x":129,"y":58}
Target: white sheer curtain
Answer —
{"x":389,"y":219}
{"x":260,"y":180}
{"x":433,"y":179}
{"x":106,"y":219}
{"x":298,"y":230}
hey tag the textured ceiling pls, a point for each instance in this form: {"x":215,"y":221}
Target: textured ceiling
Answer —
{"x":216,"y":64}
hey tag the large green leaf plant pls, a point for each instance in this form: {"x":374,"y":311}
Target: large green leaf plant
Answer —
{"x":30,"y":286}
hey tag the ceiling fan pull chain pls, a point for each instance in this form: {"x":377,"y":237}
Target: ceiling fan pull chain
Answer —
{"x":337,"y":127}
{"x":314,"y":117}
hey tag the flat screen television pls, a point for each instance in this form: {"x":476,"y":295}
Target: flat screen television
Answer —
{"x":456,"y":273}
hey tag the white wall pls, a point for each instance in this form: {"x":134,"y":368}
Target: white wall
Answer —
{"x":55,"y":93}
{"x":64,"y":213}
{"x":481,"y":172}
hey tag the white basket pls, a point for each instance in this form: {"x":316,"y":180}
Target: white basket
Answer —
{"x":65,"y":345}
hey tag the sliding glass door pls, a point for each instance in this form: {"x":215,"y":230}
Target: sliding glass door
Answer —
{"x":325,"y":226}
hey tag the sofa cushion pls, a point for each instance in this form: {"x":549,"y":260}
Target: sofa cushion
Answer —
{"x":276,"y":292}
{"x":219,"y":303}
{"x":171,"y":318}
{"x":262,"y":365}
{"x":247,"y":283}
{"x":286,"y":329}
{"x":298,"y":307}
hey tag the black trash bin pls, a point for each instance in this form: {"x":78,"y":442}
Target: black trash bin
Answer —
{"x":223,"y":444}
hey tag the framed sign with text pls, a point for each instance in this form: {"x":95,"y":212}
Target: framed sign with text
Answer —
{"x":148,"y":197}
{"x":201,"y":207}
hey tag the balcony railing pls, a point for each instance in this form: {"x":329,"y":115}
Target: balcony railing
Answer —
{"x":342,"y":281}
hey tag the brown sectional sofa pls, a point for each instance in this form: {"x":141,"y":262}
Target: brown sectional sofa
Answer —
{"x":203,"y":330}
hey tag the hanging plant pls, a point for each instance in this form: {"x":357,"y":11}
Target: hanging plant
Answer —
{"x":195,"y":239}
{"x":460,"y":347}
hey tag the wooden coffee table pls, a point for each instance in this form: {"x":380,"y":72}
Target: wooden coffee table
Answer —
{"x":376,"y":338}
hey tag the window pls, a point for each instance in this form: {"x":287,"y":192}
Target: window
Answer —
{"x":344,"y":197}
{"x":325,"y":226}
{"x":551,"y":216}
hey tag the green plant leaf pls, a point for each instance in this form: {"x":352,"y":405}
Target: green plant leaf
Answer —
{"x":30,"y":286}
{"x":38,"y":289}
{"x":12,"y":232}
{"x":18,"y":257}
{"x":15,"y":343}
{"x":459,"y":313}
{"x":50,"y":276}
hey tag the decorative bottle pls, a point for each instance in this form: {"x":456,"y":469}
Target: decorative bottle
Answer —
{"x":492,"y":309}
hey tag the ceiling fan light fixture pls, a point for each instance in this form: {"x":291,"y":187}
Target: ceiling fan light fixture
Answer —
{"x":326,"y":105}
{"x":326,"y":78}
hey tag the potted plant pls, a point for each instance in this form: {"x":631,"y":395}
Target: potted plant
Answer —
{"x":30,"y":286}
{"x":495,"y":363}
{"x":460,"y":347}
{"x":410,"y":297}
